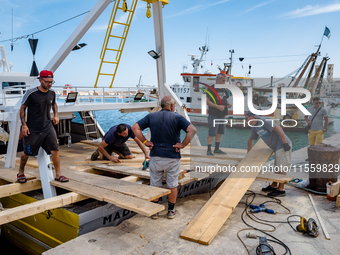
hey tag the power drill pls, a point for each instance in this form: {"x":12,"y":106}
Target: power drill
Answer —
{"x":260,"y":208}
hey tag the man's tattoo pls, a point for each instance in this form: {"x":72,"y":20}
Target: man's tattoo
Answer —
{"x":23,"y":161}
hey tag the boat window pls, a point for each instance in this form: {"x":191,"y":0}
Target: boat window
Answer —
{"x":182,"y":98}
{"x":10,"y":84}
{"x":199,"y":99}
{"x":196,"y":84}
{"x":188,"y":99}
{"x":186,"y":78}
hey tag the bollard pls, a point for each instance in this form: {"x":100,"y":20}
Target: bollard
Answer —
{"x":323,"y":166}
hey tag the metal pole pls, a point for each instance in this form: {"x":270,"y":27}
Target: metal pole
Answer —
{"x":159,"y":40}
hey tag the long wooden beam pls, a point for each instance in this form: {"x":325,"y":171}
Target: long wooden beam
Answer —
{"x":206,"y":224}
{"x":24,"y":211}
{"x":17,"y":188}
{"x":135,"y":204}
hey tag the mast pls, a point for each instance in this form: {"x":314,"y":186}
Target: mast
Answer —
{"x":196,"y":62}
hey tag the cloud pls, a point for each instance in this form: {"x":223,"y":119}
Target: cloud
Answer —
{"x":197,"y":8}
{"x":312,"y":10}
{"x":257,"y":6}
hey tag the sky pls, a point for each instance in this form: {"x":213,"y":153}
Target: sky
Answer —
{"x":273,"y":36}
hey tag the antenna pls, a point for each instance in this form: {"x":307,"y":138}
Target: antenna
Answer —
{"x":207,"y":37}
{"x":12,"y":32}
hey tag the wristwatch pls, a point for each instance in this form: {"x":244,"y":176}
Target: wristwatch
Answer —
{"x":324,"y":130}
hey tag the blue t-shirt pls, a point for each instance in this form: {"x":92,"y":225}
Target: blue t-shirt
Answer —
{"x":266,"y":132}
{"x":112,"y":137}
{"x":165,"y":127}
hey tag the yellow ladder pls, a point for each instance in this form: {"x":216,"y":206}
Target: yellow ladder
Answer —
{"x":109,"y":68}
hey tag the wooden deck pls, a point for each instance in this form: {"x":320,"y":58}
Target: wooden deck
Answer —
{"x":88,"y":180}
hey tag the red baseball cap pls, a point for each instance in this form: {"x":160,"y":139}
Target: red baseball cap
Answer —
{"x":45,"y":74}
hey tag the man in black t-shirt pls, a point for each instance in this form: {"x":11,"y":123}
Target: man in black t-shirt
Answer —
{"x":115,"y":141}
{"x":38,"y":131}
{"x":217,"y":111}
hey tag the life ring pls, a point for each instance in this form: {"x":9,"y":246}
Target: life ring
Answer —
{"x":67,"y":89}
{"x":238,"y":83}
{"x":262,"y":100}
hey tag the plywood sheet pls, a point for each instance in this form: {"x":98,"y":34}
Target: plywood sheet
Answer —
{"x":206,"y":224}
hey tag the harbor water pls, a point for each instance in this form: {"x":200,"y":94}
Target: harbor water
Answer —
{"x":233,"y":138}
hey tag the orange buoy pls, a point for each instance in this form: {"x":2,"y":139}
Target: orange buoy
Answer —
{"x":67,"y":89}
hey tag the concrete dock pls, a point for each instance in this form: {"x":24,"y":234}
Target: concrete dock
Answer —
{"x":142,"y":235}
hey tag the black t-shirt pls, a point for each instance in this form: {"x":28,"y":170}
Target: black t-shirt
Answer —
{"x":223,"y":94}
{"x":112,"y":137}
{"x":38,"y":109}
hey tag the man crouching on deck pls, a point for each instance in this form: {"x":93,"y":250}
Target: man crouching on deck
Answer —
{"x":165,"y":145}
{"x":115,"y":141}
{"x":276,"y":139}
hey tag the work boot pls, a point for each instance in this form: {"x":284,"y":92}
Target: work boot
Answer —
{"x":95,"y":155}
{"x":277,"y":193}
{"x":268,"y":189}
{"x":219,"y":152}
{"x":209,"y":153}
{"x":154,"y":216}
{"x":172,"y":214}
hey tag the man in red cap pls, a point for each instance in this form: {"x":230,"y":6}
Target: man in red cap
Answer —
{"x":38,"y":131}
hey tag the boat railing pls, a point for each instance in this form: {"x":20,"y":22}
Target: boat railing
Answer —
{"x":10,"y":95}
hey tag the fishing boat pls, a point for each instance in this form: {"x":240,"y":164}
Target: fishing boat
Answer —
{"x":38,"y":229}
{"x":196,"y":83}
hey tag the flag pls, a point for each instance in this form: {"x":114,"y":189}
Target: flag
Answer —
{"x":327,"y":32}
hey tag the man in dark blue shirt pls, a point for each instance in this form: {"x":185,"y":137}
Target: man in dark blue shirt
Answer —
{"x":114,"y":141}
{"x":165,"y":145}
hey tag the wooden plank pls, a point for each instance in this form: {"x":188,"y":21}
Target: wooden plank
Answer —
{"x":337,"y":202}
{"x":335,"y":189}
{"x":93,"y":147}
{"x":90,"y":142}
{"x":71,"y":155}
{"x":17,"y":188}
{"x":26,"y":210}
{"x":280,"y":178}
{"x":131,"y":179}
{"x":206,"y":224}
{"x":133,"y":189}
{"x":10,"y":175}
{"x":33,"y":162}
{"x":319,"y":218}
{"x":123,"y":170}
{"x":125,"y":201}
{"x":130,"y":170}
{"x":92,"y":162}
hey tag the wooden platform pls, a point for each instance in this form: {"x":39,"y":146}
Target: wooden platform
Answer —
{"x":86,"y":180}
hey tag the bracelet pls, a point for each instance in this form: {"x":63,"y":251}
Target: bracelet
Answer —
{"x":145,"y":141}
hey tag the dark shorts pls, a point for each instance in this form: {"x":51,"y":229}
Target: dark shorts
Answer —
{"x":124,"y":150}
{"x":46,"y":139}
{"x":218,"y":129}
